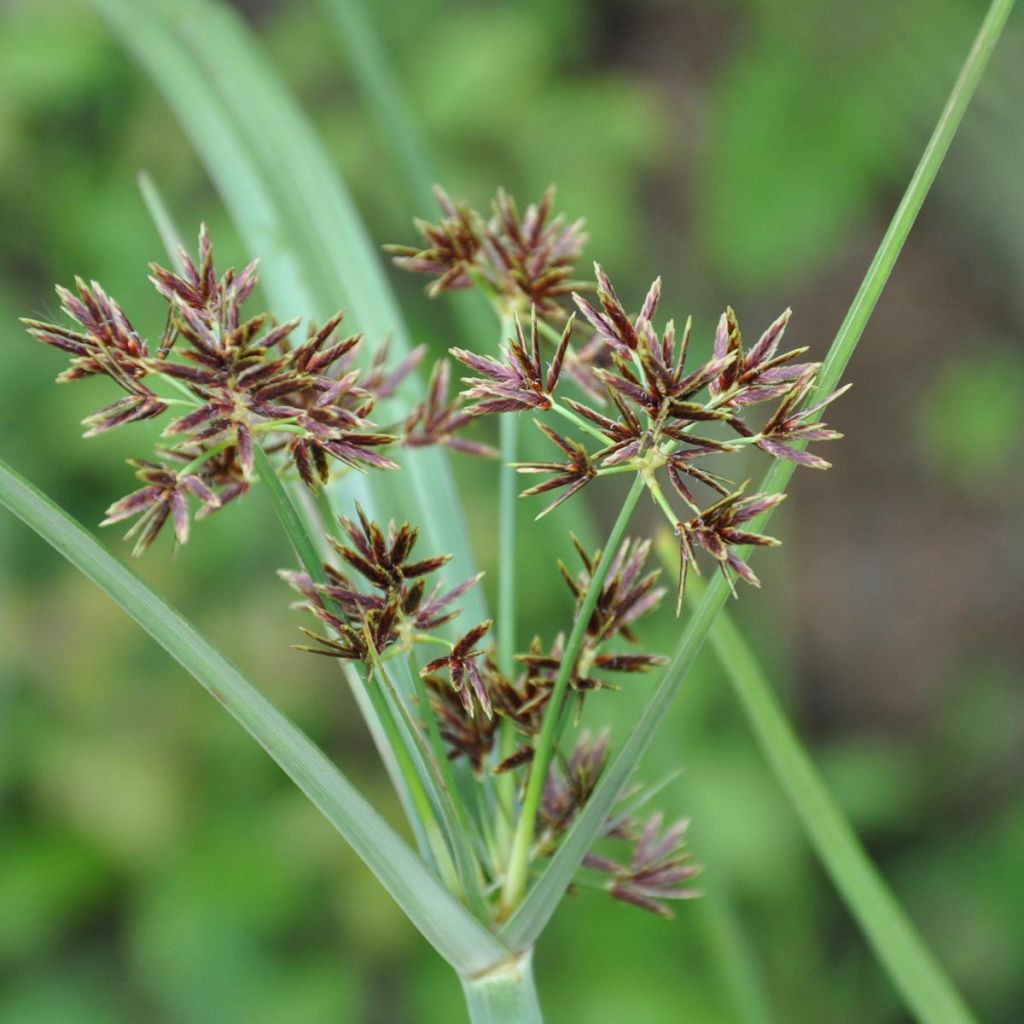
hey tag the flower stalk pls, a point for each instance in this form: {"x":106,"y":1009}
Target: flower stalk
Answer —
{"x":519,"y":861}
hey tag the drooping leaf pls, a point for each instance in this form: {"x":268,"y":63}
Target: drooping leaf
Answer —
{"x":450,"y":928}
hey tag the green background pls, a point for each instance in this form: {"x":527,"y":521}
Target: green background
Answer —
{"x":155,"y":866}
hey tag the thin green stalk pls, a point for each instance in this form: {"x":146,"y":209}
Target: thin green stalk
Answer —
{"x":162,"y":219}
{"x":288,"y":513}
{"x":424,"y":808}
{"x":534,"y":912}
{"x":505,"y":995}
{"x":507,"y":505}
{"x":522,"y":845}
{"x":441,"y":796}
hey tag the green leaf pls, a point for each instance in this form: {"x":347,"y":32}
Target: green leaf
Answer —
{"x":387,"y":102}
{"x":907,"y":968}
{"x":449,"y":927}
{"x":893,"y":937}
{"x":300,"y":532}
{"x":293,"y":211}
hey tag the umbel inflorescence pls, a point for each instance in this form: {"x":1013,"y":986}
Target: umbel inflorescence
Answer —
{"x":640,"y":408}
{"x":614,"y":395}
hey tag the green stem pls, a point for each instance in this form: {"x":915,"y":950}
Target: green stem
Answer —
{"x":162,"y":219}
{"x":410,"y":773}
{"x":507,"y":501}
{"x":504,"y":995}
{"x":519,"y":862}
{"x":205,"y":456}
{"x":579,"y":421}
{"x":291,"y":521}
{"x":300,"y":537}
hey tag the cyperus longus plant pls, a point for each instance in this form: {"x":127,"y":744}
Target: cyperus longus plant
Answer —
{"x":508,"y":801}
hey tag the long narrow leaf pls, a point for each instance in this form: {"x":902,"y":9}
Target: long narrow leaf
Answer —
{"x":526,"y":924}
{"x":893,"y":937}
{"x":292,"y":209}
{"x":387,"y":102}
{"x":449,"y":927}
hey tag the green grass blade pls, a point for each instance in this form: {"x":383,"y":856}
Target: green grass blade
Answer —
{"x":449,"y":927}
{"x":292,"y":209}
{"x":913,"y":970}
{"x":523,"y":928}
{"x":376,"y":78}
{"x":300,"y":532}
{"x":398,"y":123}
{"x":162,"y":220}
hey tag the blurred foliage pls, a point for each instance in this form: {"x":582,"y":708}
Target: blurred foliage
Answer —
{"x":153,"y":866}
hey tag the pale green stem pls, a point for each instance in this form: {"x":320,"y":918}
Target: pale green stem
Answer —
{"x":300,"y":537}
{"x":519,"y":862}
{"x":506,"y":619}
{"x":504,"y":995}
{"x":421,"y":800}
{"x":579,"y":421}
{"x":507,"y":501}
{"x":205,"y":456}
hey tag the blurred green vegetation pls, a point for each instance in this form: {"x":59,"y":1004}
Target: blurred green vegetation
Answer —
{"x":155,"y":866}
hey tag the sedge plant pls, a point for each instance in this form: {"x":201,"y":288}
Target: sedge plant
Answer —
{"x":508,"y":802}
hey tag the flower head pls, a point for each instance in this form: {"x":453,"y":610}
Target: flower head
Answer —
{"x":523,"y":261}
{"x":464,"y":671}
{"x":659,"y":869}
{"x":163,"y":497}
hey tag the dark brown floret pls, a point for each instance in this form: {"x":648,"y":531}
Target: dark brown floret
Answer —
{"x":465,"y":674}
{"x":163,"y":498}
{"x":568,"y":788}
{"x":573,"y":474}
{"x":716,"y":531}
{"x":519,"y":382}
{"x":451,"y":246}
{"x":522,"y":261}
{"x":658,"y":870}
{"x":437,"y":421}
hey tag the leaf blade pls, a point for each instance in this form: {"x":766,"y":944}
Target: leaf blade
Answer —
{"x":293,"y":210}
{"x":446,"y":924}
{"x":896,"y":943}
{"x":523,"y":928}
